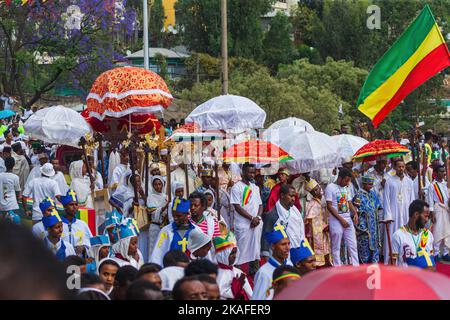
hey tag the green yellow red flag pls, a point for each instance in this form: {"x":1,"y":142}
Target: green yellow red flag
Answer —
{"x":418,"y":55}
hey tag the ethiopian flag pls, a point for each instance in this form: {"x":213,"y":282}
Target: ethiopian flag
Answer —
{"x":419,"y":54}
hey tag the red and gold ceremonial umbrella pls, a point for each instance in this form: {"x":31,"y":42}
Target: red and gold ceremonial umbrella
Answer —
{"x":369,"y":282}
{"x":143,"y":123}
{"x":371,"y":150}
{"x":255,"y":151}
{"x":127,"y":90}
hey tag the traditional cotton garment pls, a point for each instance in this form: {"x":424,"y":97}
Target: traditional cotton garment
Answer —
{"x":210,"y":210}
{"x":439,"y":204}
{"x":127,"y":230}
{"x":40,"y":189}
{"x":179,"y":175}
{"x":413,"y":250}
{"x":425,"y":188}
{"x":175,"y":186}
{"x":227,"y":212}
{"x":315,"y":212}
{"x":299,"y":184}
{"x":228,"y":275}
{"x":248,"y":239}
{"x":155,"y":201}
{"x":97,"y":243}
{"x":61,"y":181}
{"x":397,"y":196}
{"x":290,"y":219}
{"x":172,"y":237}
{"x":80,"y":184}
{"x":114,"y":161}
{"x":263,"y":279}
{"x":21,"y":168}
{"x":368,"y":229}
{"x":62,"y":249}
{"x":118,"y":175}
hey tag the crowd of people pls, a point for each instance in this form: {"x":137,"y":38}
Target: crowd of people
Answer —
{"x":235,"y":234}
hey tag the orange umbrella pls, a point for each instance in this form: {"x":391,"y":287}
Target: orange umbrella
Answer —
{"x":255,"y":151}
{"x":371,"y":150}
{"x":126,"y":90}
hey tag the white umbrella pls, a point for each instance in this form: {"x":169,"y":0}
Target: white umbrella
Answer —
{"x":58,"y":124}
{"x":311,"y":150}
{"x":348,"y":144}
{"x":292,"y":122}
{"x":229,"y":113}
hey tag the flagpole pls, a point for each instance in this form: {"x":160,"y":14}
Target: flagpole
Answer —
{"x":145,"y":18}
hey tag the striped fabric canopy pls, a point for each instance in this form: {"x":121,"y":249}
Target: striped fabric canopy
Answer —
{"x":255,"y":151}
{"x":371,"y":150}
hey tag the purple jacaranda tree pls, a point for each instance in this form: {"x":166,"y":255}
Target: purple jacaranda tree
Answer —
{"x":46,"y":43}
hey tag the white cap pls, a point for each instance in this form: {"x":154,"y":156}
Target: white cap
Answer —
{"x":197,"y":239}
{"x":47,"y":170}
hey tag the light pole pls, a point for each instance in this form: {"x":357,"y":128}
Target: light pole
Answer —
{"x":224,"y":48}
{"x":145,"y":16}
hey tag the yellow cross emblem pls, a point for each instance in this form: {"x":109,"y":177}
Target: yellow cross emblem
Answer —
{"x":176,"y":203}
{"x":73,"y":194}
{"x":183,"y":244}
{"x":425,"y":254}
{"x":80,"y":235}
{"x":307,"y":245}
{"x":161,"y":239}
{"x":56,"y":214}
{"x":51,"y":201}
{"x":279,"y":227}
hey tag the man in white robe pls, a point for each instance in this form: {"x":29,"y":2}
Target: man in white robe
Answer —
{"x":439,"y":202}
{"x":397,"y":196}
{"x":246,"y":199}
{"x":286,"y":214}
{"x":280,"y":253}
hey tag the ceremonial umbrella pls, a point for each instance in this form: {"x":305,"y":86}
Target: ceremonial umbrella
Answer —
{"x":143,"y":123}
{"x":4,"y":114}
{"x":348,"y":144}
{"x":311,"y":150}
{"x":255,"y":151}
{"x":228,"y":113}
{"x":58,"y":124}
{"x":372,"y":149}
{"x":126,"y":90}
{"x":191,"y":132}
{"x":292,"y":122}
{"x":369,"y":282}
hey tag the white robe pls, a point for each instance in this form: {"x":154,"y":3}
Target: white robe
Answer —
{"x":79,"y":234}
{"x":61,"y":181}
{"x":441,"y":229}
{"x":157,"y":201}
{"x":169,"y":276}
{"x":248,"y":239}
{"x":295,"y":226}
{"x":397,"y":196}
{"x":70,"y":251}
{"x":224,"y":279}
{"x":263,"y":282}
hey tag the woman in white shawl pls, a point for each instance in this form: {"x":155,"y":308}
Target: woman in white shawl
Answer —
{"x":233,"y":283}
{"x":211,"y":200}
{"x":177,"y":192}
{"x":126,"y":251}
{"x":81,"y":184}
{"x":157,"y":204}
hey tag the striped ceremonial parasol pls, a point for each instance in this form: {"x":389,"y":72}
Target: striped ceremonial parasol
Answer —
{"x":127,"y":90}
{"x":371,"y":150}
{"x":255,"y":151}
{"x":191,"y":132}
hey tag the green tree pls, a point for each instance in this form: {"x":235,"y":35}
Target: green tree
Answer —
{"x":278,"y":45}
{"x":156,"y":23}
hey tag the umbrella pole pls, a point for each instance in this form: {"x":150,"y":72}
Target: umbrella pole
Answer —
{"x":216,"y":170}
{"x":186,"y":177}
{"x":146,"y":151}
{"x":100,"y":151}
{"x":168,"y":160}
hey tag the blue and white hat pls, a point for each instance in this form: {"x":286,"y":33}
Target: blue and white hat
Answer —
{"x":279,"y":233}
{"x":51,"y":220}
{"x":181,"y":205}
{"x":46,"y":203}
{"x":301,"y":253}
{"x":70,"y":196}
{"x":113,"y":219}
{"x":128,"y":228}
{"x":101,"y":240}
